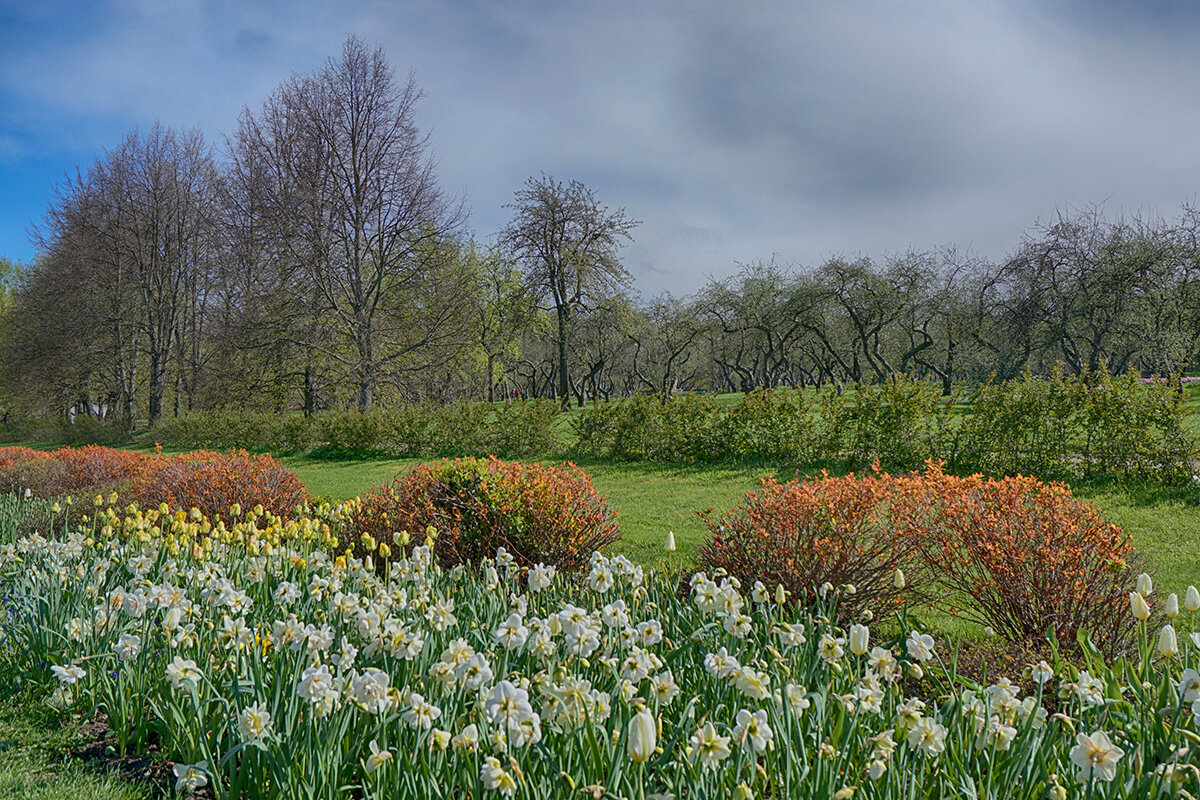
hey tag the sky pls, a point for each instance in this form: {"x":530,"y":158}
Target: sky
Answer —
{"x":735,"y":132}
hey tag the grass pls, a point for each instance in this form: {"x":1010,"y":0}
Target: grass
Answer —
{"x":651,"y":499}
{"x":35,"y":763}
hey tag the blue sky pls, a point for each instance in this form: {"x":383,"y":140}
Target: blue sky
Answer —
{"x":734,"y":131}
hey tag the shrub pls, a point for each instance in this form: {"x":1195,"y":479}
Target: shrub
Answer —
{"x":213,"y":482}
{"x":12,"y":455}
{"x":525,"y":428}
{"x":803,"y":534}
{"x":67,"y":471}
{"x":538,"y":513}
{"x":1023,"y":557}
{"x":1028,"y":558}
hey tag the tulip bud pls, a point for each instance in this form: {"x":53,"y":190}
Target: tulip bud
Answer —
{"x":1145,"y":586}
{"x":1057,"y":792}
{"x":670,"y":541}
{"x":643,"y":736}
{"x":1137,"y":604}
{"x":860,"y":636}
{"x":743,"y":792}
{"x":1168,"y":646}
{"x":1171,"y":606}
{"x":1191,"y":599}
{"x":898,"y":579}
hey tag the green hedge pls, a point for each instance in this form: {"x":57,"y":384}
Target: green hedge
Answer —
{"x":520,"y":429}
{"x":1055,"y":427}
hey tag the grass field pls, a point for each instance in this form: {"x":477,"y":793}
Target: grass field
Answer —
{"x":651,"y":499}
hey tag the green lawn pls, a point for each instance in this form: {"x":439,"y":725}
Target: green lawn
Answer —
{"x":35,"y":760}
{"x":651,"y":499}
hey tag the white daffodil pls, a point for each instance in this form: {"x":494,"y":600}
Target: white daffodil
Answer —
{"x":254,"y":723}
{"x":919,"y":646}
{"x":1095,"y":756}
{"x":496,"y":778}
{"x":928,"y":735}
{"x":70,"y":674}
{"x":709,"y":746}
{"x":752,"y":730}
{"x":378,"y":757}
{"x":190,"y":777}
{"x":183,"y":672}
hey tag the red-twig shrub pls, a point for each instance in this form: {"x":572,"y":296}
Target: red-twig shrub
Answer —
{"x":802,"y":535}
{"x":1029,"y":558}
{"x":1023,"y":557}
{"x":68,"y":470}
{"x":537,"y":513}
{"x":212,"y":482}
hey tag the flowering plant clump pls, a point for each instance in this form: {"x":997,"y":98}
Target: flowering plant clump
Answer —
{"x":536,"y":513}
{"x":265,"y":667}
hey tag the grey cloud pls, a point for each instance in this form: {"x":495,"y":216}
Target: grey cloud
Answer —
{"x":734,"y":130}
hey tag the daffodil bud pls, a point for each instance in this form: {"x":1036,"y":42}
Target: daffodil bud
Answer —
{"x":780,"y":594}
{"x":643,"y":736}
{"x":898,"y":579}
{"x":1145,"y":586}
{"x":860,"y":638}
{"x":1171,"y":606}
{"x":1191,"y":599}
{"x":743,"y":792}
{"x":670,"y":541}
{"x":1168,"y":646}
{"x":1137,"y":604}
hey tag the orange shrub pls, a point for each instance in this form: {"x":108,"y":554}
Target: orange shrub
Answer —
{"x":14,"y":455}
{"x":1023,"y":557}
{"x":67,"y":471}
{"x":537,"y":513}
{"x":1029,"y":558}
{"x":802,"y":535}
{"x":212,"y":482}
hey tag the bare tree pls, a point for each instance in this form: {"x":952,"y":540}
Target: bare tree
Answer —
{"x":568,"y":243}
{"x":354,"y":194}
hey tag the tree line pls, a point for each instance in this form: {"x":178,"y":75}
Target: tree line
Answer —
{"x":314,"y":261}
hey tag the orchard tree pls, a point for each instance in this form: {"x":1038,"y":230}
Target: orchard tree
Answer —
{"x":568,"y":244}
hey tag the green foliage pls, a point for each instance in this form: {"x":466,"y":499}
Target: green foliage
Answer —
{"x":521,"y":428}
{"x":1057,"y":427}
{"x":1066,"y":427}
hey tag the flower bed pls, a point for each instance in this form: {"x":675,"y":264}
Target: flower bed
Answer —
{"x":268,"y":668}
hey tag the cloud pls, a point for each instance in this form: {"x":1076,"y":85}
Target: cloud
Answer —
{"x":734,"y":131}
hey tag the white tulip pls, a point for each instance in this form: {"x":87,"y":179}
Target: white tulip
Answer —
{"x":860,"y":637}
{"x":1137,"y":604}
{"x":1145,"y":586}
{"x":643,"y":736}
{"x":1168,"y":646}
